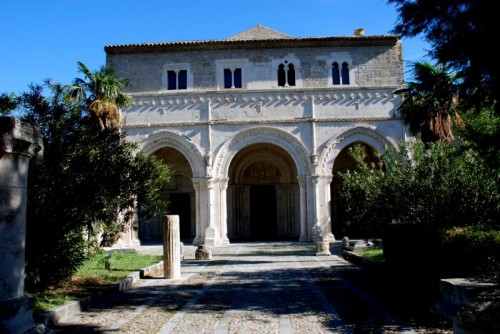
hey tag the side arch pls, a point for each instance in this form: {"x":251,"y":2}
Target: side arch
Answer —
{"x":171,"y":139}
{"x":359,"y":134}
{"x":283,"y":139}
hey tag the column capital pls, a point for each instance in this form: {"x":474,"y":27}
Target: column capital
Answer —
{"x":315,"y":179}
{"x":18,"y":137}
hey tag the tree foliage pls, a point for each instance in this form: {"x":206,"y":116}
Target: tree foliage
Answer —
{"x":458,"y":32}
{"x":430,"y":102}
{"x":100,"y":94}
{"x":482,"y":132}
{"x":436,"y":207}
{"x":8,"y":104}
{"x":438,"y":186}
{"x":89,"y":182}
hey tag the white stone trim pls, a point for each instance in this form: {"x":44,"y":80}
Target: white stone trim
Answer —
{"x":220,"y":65}
{"x":176,"y":67}
{"x":161,"y":139}
{"x":365,"y":134}
{"x":258,"y":135}
{"x":291,"y":58}
{"x":340,"y":58}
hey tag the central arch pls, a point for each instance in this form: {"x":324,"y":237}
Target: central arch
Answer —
{"x":263,"y":195}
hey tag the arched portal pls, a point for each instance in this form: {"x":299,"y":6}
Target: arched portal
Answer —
{"x":344,"y":162}
{"x":263,"y":198}
{"x":180,"y":194}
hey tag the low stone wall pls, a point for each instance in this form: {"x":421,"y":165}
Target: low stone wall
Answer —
{"x":473,"y":306}
{"x":69,"y":309}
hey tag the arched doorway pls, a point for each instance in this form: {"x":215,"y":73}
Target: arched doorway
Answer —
{"x":180,"y":194}
{"x":263,"y":200}
{"x":344,"y":162}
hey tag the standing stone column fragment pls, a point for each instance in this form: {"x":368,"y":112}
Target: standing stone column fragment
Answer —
{"x":171,"y":247}
{"x":19,"y":142}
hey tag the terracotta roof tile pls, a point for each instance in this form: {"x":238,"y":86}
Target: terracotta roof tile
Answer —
{"x":259,"y":32}
{"x":258,"y":37}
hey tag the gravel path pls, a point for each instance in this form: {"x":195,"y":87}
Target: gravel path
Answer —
{"x":280,"y":288}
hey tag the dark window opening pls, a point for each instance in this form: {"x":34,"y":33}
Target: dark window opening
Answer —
{"x":335,"y":74}
{"x":177,"y":80}
{"x":281,"y":75}
{"x":291,"y":75}
{"x":182,"y":79}
{"x":232,"y":79}
{"x":228,"y":78}
{"x":172,"y":80}
{"x":345,"y":74}
{"x":237,"y":78}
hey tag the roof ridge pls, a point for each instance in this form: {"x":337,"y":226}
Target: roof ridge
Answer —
{"x":259,"y":31}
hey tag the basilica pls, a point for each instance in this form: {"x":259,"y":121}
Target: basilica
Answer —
{"x":256,"y":126}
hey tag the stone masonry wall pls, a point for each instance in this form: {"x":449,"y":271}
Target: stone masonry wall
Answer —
{"x":369,"y":66}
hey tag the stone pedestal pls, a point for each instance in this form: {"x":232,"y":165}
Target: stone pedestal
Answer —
{"x":19,"y":142}
{"x":210,"y":236}
{"x":171,"y":247}
{"x":322,"y":245}
{"x":323,"y":248}
{"x":203,"y":253}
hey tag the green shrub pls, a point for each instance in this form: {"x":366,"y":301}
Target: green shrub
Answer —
{"x":471,"y":252}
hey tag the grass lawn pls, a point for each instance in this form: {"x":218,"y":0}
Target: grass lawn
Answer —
{"x":373,"y":254}
{"x":92,"y":276}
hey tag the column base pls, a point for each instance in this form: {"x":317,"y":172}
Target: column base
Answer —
{"x":224,"y":242}
{"x":16,"y":316}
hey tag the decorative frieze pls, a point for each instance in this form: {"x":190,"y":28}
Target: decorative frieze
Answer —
{"x":198,"y":97}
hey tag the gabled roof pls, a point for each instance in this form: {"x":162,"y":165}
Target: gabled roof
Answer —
{"x":258,"y":32}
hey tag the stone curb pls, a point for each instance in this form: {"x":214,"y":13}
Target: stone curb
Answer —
{"x":71,"y":308}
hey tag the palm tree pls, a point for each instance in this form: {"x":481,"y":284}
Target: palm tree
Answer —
{"x":101,"y":95}
{"x":430,"y":101}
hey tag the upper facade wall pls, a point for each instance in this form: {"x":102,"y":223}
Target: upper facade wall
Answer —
{"x":368,"y":66}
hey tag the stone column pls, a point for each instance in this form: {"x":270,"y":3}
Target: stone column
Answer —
{"x":223,"y":212}
{"x":210,"y":232}
{"x":322,"y":245}
{"x":198,"y":237}
{"x":20,"y":141}
{"x":303,"y":209}
{"x":326,"y":181}
{"x":171,"y":247}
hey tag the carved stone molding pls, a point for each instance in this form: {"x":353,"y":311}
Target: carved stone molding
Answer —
{"x":20,"y":137}
{"x":259,"y":122}
{"x":261,"y":135}
{"x":369,"y":135}
{"x":179,"y":142}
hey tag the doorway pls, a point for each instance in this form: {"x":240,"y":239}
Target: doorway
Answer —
{"x":263,"y":212}
{"x":180,"y":205}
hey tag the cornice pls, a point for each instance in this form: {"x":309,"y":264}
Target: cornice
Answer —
{"x":207,"y":45}
{"x":258,"y":122}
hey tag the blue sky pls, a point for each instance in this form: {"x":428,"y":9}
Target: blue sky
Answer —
{"x":45,"y":38}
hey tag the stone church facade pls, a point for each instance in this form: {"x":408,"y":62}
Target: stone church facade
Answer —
{"x":255,"y":127}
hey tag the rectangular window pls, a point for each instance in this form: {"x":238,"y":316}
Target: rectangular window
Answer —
{"x":231,"y":73}
{"x":232,"y":79}
{"x":177,"y":80}
{"x":182,"y":79}
{"x":237,"y":78}
{"x":172,"y":80}
{"x":228,"y":78}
